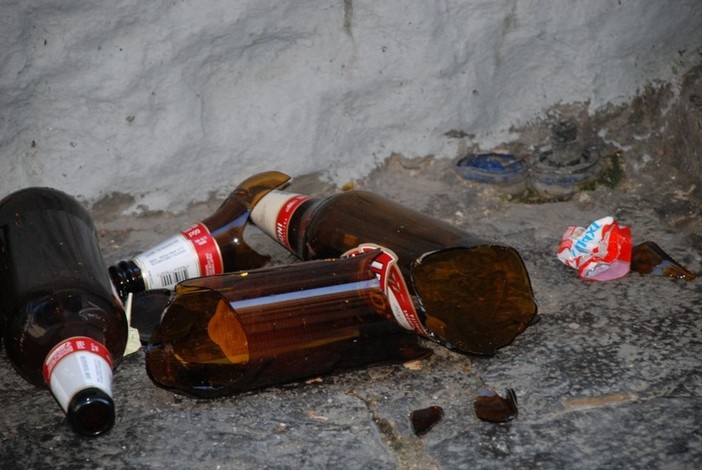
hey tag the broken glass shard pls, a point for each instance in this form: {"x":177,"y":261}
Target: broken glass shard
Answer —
{"x":649,"y":258}
{"x":425,"y":419}
{"x":489,"y":406}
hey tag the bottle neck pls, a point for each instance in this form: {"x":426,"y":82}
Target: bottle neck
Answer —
{"x":78,"y":372}
{"x":279,"y":215}
{"x":91,"y":412}
{"x":126,"y":277}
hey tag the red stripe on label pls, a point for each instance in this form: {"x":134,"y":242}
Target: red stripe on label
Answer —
{"x":70,"y":346}
{"x":384,"y":266}
{"x":208,"y":254}
{"x":396,"y":284}
{"x":283,"y":219}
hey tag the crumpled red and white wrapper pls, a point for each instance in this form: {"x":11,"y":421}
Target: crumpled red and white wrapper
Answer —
{"x":600,"y":252}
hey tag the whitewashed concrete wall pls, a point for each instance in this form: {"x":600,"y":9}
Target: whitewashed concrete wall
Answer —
{"x":170,"y":101}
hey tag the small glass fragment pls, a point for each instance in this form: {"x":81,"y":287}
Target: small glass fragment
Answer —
{"x":425,"y":419}
{"x":489,"y":406}
{"x":649,"y":258}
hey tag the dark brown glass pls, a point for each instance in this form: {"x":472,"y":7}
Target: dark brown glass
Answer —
{"x":474,"y":296}
{"x":649,"y":258}
{"x":489,"y":406}
{"x":424,"y":419}
{"x":226,"y":225}
{"x":243,"y":331}
{"x":53,"y":287}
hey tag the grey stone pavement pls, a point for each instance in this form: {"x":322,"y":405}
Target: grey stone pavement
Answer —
{"x":610,"y":377}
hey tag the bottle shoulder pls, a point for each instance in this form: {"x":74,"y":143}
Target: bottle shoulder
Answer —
{"x":37,"y":199}
{"x":47,"y":307}
{"x":36,"y":323}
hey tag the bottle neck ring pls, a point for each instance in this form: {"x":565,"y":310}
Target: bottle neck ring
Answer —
{"x":126,"y":277}
{"x":91,"y":412}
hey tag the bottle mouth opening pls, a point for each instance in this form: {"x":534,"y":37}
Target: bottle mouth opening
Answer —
{"x":199,"y":340}
{"x":476,"y":299}
{"x":91,"y":412}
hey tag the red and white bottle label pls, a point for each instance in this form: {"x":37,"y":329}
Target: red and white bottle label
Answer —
{"x":192,"y":253}
{"x":273,"y":212}
{"x":76,"y":364}
{"x":393,"y":285}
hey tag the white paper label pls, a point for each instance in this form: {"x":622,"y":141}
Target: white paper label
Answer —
{"x":76,"y":364}
{"x":273,"y":212}
{"x":192,"y":253}
{"x":393,"y":285}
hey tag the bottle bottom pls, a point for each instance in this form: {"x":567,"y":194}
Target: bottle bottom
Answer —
{"x":476,"y":299}
{"x":91,"y":412}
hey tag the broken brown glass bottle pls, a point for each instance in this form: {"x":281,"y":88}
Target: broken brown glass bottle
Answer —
{"x":470,"y":295}
{"x":246,"y":330}
{"x":212,"y":246}
{"x":64,"y":327}
{"x":649,"y":258}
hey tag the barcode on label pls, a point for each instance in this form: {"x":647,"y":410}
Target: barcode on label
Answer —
{"x":172,"y":278}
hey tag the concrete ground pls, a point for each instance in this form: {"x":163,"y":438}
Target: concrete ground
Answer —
{"x":611,"y":376}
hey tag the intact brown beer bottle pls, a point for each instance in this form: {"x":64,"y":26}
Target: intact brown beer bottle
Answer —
{"x":64,"y":326}
{"x":242,"y":331}
{"x":471,"y":295}
{"x":212,"y":246}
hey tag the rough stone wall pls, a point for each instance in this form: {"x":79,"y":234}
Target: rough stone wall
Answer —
{"x":169,"y":102}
